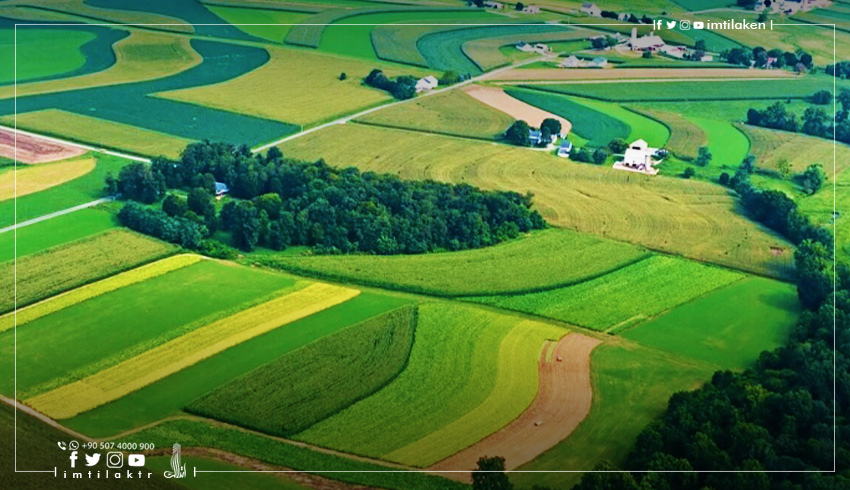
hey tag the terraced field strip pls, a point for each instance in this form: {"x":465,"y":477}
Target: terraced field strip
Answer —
{"x":633,"y":293}
{"x":82,"y":8}
{"x":487,"y":54}
{"x":455,"y":367}
{"x":563,"y":400}
{"x":451,"y":112}
{"x":773,"y":147}
{"x":39,"y":236}
{"x":32,"y":149}
{"x":556,"y":74}
{"x":144,"y":55}
{"x":799,"y":87}
{"x":728,"y":145}
{"x":260,"y":22}
{"x":67,"y":266}
{"x":691,"y":218}
{"x":517,"y":109}
{"x":100,"y":132}
{"x":655,"y":133}
{"x":685,"y":137}
{"x":36,"y":178}
{"x":83,"y":293}
{"x":597,"y":127}
{"x":541,"y":260}
{"x":178,"y":354}
{"x":512,"y":394}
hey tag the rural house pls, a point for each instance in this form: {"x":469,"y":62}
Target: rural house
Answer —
{"x":565,"y":148}
{"x":490,"y":4}
{"x":531,"y":9}
{"x":536,"y":137}
{"x":639,"y":157}
{"x":221,"y":189}
{"x":524,"y":46}
{"x":572,"y":61}
{"x":428,"y":83}
{"x":591,"y":9}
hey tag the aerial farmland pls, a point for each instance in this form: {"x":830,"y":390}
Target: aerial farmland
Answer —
{"x":424,"y":244}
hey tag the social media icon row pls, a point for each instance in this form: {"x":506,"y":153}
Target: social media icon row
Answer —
{"x":113,"y":459}
{"x":686,"y":24}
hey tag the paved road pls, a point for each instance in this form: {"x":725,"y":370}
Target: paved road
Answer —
{"x":54,"y":215}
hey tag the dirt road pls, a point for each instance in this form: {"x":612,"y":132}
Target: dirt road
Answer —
{"x":563,"y":400}
{"x":499,"y":100}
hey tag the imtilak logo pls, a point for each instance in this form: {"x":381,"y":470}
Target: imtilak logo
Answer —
{"x":724,"y":25}
{"x":178,"y":470}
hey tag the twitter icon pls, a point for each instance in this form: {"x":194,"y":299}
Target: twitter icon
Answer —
{"x":93,"y":459}
{"x":671,"y":24}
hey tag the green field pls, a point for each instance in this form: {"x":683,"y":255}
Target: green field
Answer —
{"x":273,"y":33}
{"x":821,"y":206}
{"x":41,"y":53}
{"x":728,"y":327}
{"x":295,"y":86}
{"x":453,"y":368}
{"x":493,"y":52}
{"x":58,"y":269}
{"x":799,"y":150}
{"x":170,"y":395}
{"x":685,"y":217}
{"x":595,"y":126}
{"x":453,"y":112}
{"x":653,"y":91}
{"x":685,"y":136}
{"x":631,"y":388}
{"x":728,"y":145}
{"x":623,"y":297}
{"x":541,"y":260}
{"x":56,"y":231}
{"x":193,"y":433}
{"x":312,"y":383}
{"x":642,"y":127}
{"x":87,"y":337}
{"x":72,"y":193}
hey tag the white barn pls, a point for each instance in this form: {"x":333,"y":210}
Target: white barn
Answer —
{"x":427,"y":83}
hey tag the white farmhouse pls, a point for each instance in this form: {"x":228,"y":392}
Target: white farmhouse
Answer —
{"x":650,"y":42}
{"x":674,"y":51}
{"x":542,"y":48}
{"x":571,"y":62}
{"x":591,"y":9}
{"x":531,"y":9}
{"x":640,"y":157}
{"x":565,"y":148}
{"x":525,"y":47}
{"x":490,"y":4}
{"x":623,"y":16}
{"x":428,"y":83}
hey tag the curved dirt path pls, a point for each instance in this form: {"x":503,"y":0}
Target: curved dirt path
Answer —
{"x":562,"y":402}
{"x":499,"y":100}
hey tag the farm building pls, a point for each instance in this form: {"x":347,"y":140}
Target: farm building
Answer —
{"x":650,"y":42}
{"x":493,"y":5}
{"x":428,"y":83}
{"x":221,"y":189}
{"x":524,"y":46}
{"x":639,"y":157}
{"x":536,"y":137}
{"x":591,"y":9}
{"x":565,"y":148}
{"x":673,"y":51}
{"x":531,"y":9}
{"x":533,"y":48}
{"x":597,"y":62}
{"x":571,"y":62}
{"x":623,"y":16}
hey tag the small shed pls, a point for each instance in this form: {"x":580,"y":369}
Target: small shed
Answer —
{"x":221,"y":189}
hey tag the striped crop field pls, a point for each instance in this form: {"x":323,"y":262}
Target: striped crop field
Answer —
{"x":83,"y":293}
{"x":182,"y":352}
{"x":34,"y":178}
{"x":685,"y":137}
{"x":458,"y":357}
{"x":622,"y":297}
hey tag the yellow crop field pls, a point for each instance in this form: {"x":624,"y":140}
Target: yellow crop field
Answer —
{"x":89,"y":291}
{"x":797,"y":150}
{"x":166,"y":359}
{"x":34,"y":178}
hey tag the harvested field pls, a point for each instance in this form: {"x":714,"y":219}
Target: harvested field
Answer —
{"x":563,"y":400}
{"x":32,"y":149}
{"x":799,"y":150}
{"x":685,"y":136}
{"x":30,"y":180}
{"x":498,"y":99}
{"x":636,"y":73}
{"x":695,"y":219}
{"x":182,"y":352}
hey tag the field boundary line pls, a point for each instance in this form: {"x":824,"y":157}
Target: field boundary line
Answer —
{"x":426,"y":131}
{"x":55,"y":214}
{"x":44,"y":418}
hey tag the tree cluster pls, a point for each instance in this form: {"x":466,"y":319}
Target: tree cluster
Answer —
{"x":815,"y":120}
{"x":589,"y":154}
{"x":403,"y":87}
{"x":281,"y":202}
{"x":154,"y":222}
{"x":840,"y":69}
{"x":758,"y":57}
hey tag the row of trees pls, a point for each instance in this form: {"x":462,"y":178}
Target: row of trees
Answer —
{"x":281,"y":202}
{"x":814,"y":121}
{"x":760,"y":56}
{"x":840,"y":69}
{"x":519,"y":133}
{"x":402,"y":87}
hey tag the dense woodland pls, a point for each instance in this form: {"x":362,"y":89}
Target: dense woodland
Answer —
{"x":277,"y":202}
